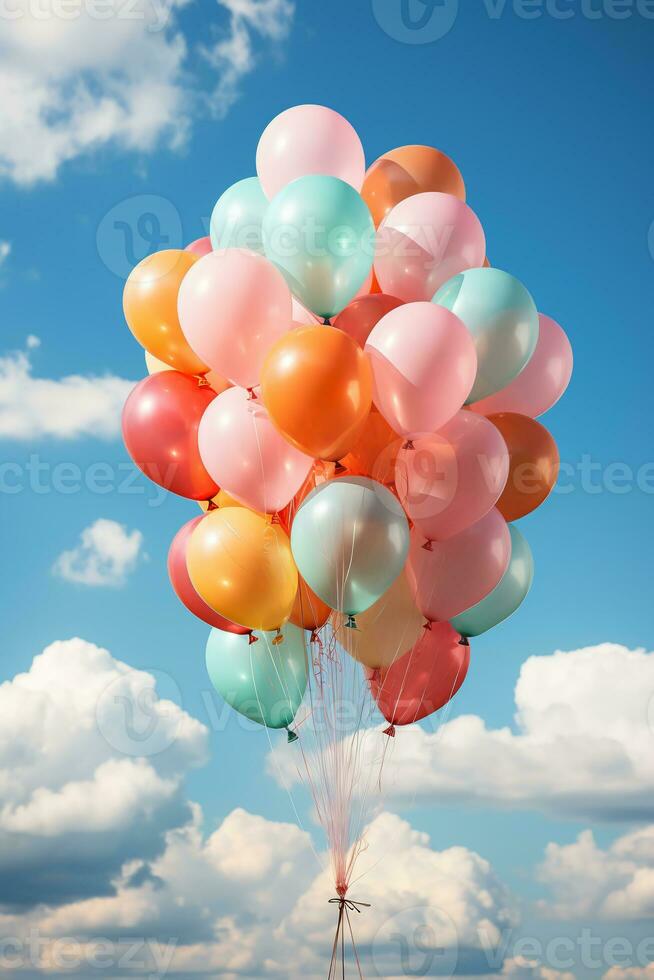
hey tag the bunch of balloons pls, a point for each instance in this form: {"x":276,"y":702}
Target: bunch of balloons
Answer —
{"x":350,"y":391}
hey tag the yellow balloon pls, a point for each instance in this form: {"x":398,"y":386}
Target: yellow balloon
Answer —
{"x":388,"y":629}
{"x":150,"y":307}
{"x":243,"y":568}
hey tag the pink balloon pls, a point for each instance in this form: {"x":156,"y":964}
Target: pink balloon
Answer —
{"x":424,"y":679}
{"x":542,"y":382}
{"x":247,"y":456}
{"x":451,"y":479}
{"x":302,"y":315}
{"x":309,"y":139}
{"x":181,"y":581}
{"x":233,"y":305}
{"x":447,"y":577}
{"x":424,"y":364}
{"x":424,"y":241}
{"x":201,"y":246}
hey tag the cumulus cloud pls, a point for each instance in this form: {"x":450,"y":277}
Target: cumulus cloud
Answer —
{"x":63,"y":408}
{"x":583,"y":746}
{"x":5,"y":250}
{"x":92,"y":763}
{"x":587,"y":881}
{"x":115,"y":73}
{"x":107,"y":552}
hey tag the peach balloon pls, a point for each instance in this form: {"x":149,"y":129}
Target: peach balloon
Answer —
{"x":150,"y":307}
{"x":406,"y":171}
{"x":423,"y":242}
{"x":388,"y":628}
{"x":243,"y":568}
{"x":316,"y":384}
{"x":375,"y":450}
{"x":533,"y":467}
{"x":363,"y":313}
{"x":309,"y":611}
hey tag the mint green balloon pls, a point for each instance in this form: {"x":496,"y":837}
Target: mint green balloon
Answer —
{"x":265,"y":681}
{"x":507,"y":595}
{"x":502,"y":318}
{"x":320,"y":234}
{"x":238,"y":215}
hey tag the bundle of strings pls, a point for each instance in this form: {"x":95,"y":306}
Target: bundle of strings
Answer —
{"x":345,"y":906}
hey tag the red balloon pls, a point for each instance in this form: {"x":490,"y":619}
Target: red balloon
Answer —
{"x":362,"y":314}
{"x":422,"y":680}
{"x":181,"y":582}
{"x":160,"y":429}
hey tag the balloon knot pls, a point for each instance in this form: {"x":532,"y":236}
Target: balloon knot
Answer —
{"x":464,"y":642}
{"x":339,"y":469}
{"x":275,"y":518}
{"x":428,"y":545}
{"x":314,"y":638}
{"x":408,"y":444}
{"x":251,"y":394}
{"x":292,"y":736}
{"x":252,"y":639}
{"x":279,"y":638}
{"x":390,"y":731}
{"x":427,"y":624}
{"x":212,"y":505}
{"x":202,"y":381}
{"x":351,"y":622}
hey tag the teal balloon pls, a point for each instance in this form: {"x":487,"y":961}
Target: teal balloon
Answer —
{"x":350,"y":539}
{"x":507,"y":595}
{"x":265,"y":681}
{"x":237,"y":217}
{"x":320,"y":234}
{"x":502,"y":318}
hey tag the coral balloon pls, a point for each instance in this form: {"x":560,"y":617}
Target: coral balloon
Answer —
{"x":423,"y":242}
{"x":447,"y":577}
{"x":316,"y":384}
{"x":150,"y":308}
{"x":247,"y":456}
{"x":243,"y":568}
{"x":181,"y":581}
{"x":424,"y":679}
{"x":533,"y":467}
{"x":160,"y":429}
{"x":375,"y":451}
{"x":424,"y":364}
{"x":451,"y":479}
{"x":362,"y":314}
{"x":387,"y":629}
{"x":541,"y":382}
{"x":309,"y":611}
{"x":406,"y":171}
{"x":507,"y":595}
{"x":232,"y":306}
{"x":350,"y":540}
{"x":501,"y":316}
{"x":200,"y":247}
{"x":309,"y":139}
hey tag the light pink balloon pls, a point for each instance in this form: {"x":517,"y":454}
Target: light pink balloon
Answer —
{"x":181,"y":581}
{"x":424,"y":241}
{"x":448,"y":577}
{"x":541,"y":382}
{"x":424,"y":364}
{"x":247,"y":456}
{"x":309,"y":139}
{"x":302,"y":315}
{"x":450,"y":480}
{"x":233,"y":305}
{"x":201,"y":246}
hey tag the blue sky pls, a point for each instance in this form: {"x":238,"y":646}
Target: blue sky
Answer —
{"x":549,"y":121}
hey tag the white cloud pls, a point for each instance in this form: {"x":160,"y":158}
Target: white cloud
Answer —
{"x":107,"y":552}
{"x":587,"y":881}
{"x":583,"y":748}
{"x":75,"y":405}
{"x":630,"y":973}
{"x":91,"y":768}
{"x":5,"y":250}
{"x":521,"y":968}
{"x":114,"y":73}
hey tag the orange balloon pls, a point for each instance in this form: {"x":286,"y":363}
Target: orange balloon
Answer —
{"x":309,"y":611}
{"x":243,"y":568}
{"x":150,"y":307}
{"x":533,"y":464}
{"x":375,"y":450}
{"x":387,"y":629}
{"x":316,"y":384}
{"x":406,"y":171}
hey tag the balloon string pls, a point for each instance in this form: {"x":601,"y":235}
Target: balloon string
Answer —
{"x":345,"y":906}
